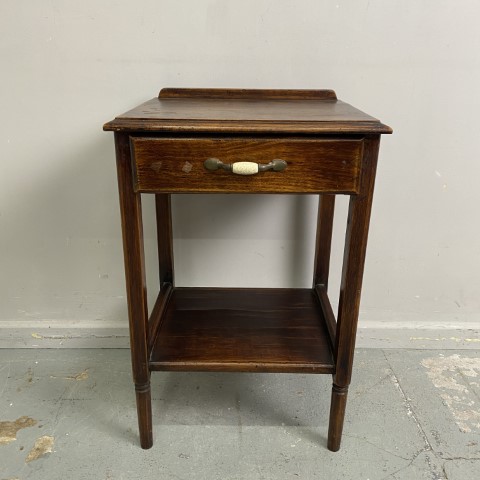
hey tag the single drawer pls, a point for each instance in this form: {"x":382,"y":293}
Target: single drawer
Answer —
{"x":173,"y":165}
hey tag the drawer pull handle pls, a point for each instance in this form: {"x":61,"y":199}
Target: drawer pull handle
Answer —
{"x":245,"y":168}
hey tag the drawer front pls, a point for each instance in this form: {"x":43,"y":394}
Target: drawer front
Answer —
{"x":173,"y":165}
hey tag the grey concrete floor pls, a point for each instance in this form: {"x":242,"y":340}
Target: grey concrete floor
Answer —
{"x":70,"y":414}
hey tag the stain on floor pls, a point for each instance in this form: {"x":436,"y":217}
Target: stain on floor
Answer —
{"x":79,"y":376}
{"x":43,"y":445}
{"x":8,"y":430}
{"x":456,"y":377}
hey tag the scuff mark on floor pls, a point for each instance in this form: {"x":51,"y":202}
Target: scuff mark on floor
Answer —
{"x":8,"y":430}
{"x":79,"y":376}
{"x":454,"y":373}
{"x":43,"y":445}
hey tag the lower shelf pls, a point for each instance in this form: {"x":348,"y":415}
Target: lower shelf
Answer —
{"x":240,"y":329}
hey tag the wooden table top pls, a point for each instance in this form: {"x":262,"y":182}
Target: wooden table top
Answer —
{"x":247,"y":111}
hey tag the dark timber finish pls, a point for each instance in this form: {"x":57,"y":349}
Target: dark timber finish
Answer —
{"x":350,"y":288}
{"x":131,"y":212}
{"x":243,"y":330}
{"x":246,"y":94}
{"x":330,"y":148}
{"x":165,"y":238}
{"x":257,"y":111}
{"x":326,"y":208}
{"x":175,"y":165}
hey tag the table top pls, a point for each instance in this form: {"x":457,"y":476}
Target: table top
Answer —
{"x":247,"y":111}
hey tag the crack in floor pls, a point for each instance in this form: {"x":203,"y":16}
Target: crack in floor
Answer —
{"x":362,"y":391}
{"x":411,"y":413}
{"x":466,"y":459}
{"x":406,"y":401}
{"x":363,"y":439}
{"x":415,"y":456}
{"x":444,"y":471}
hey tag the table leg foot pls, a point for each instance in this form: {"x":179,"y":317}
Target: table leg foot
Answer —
{"x":144,"y":411}
{"x":337,"y":415}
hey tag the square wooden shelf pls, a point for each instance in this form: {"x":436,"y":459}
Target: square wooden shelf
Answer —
{"x":242,"y":329}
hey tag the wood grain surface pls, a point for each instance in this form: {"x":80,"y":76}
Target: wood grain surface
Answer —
{"x":250,"y":94}
{"x":172,"y":165}
{"x":257,"y":111}
{"x":263,"y":330}
{"x":330,"y":147}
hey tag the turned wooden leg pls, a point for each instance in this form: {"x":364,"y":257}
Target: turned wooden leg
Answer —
{"x":350,"y":289}
{"x":337,"y":415}
{"x":144,"y":413}
{"x":132,"y":229}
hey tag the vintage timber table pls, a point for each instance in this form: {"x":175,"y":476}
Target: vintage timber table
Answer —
{"x":245,"y":141}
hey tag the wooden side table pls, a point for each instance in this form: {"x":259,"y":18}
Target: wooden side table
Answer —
{"x":245,"y":141}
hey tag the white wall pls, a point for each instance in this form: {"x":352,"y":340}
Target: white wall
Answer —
{"x":67,"y":67}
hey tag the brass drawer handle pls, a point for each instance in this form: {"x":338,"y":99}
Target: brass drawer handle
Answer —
{"x":244,"y":168}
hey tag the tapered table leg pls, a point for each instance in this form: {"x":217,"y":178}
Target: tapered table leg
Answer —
{"x":337,"y":415}
{"x":350,"y":289}
{"x":132,"y":229}
{"x":144,"y":414}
